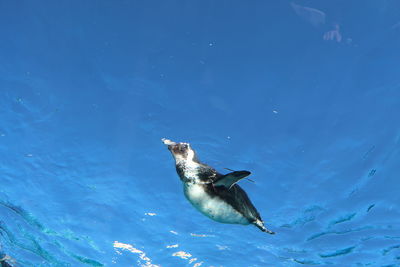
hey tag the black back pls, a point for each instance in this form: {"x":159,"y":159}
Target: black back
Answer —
{"x":235,"y":196}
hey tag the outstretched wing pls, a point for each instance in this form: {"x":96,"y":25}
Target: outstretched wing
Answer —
{"x":228,"y":180}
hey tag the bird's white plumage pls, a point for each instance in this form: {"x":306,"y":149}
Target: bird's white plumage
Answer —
{"x":212,"y":206}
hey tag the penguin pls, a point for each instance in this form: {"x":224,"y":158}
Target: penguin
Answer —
{"x":215,"y":195}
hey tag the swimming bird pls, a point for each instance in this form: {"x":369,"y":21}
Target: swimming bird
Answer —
{"x":215,"y":195}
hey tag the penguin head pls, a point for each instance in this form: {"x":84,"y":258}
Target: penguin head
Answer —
{"x":182,"y":152}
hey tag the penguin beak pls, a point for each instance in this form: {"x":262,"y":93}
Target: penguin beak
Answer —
{"x":168,"y":143}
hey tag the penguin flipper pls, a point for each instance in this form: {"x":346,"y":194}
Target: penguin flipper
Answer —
{"x":228,"y":180}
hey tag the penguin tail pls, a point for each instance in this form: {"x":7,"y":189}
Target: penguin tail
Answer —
{"x":260,"y":225}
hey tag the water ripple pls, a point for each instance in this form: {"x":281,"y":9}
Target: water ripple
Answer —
{"x":338,"y":232}
{"x":337,"y":252}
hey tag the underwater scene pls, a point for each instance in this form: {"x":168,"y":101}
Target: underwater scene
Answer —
{"x":200,"y":133}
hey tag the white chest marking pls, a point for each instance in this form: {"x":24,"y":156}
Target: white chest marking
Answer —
{"x":190,"y":170}
{"x":212,"y":207}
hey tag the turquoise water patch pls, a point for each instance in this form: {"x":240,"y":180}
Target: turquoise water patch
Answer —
{"x":303,"y":94}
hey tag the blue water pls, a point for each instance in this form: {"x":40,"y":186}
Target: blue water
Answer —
{"x":304,"y":94}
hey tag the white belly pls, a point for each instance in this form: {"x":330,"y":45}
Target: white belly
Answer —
{"x":212,"y":207}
